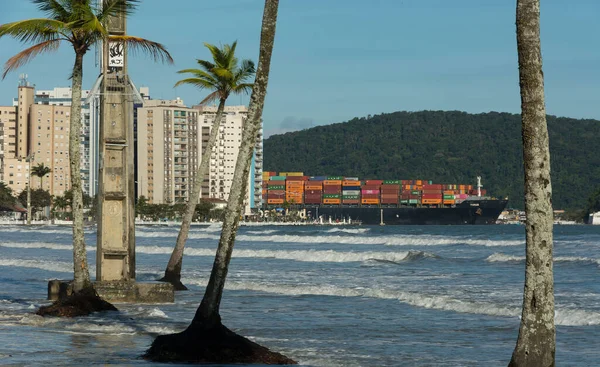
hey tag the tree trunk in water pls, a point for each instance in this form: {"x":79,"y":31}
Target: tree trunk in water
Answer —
{"x":173,"y":271}
{"x":208,"y":312}
{"x":536,"y":343}
{"x":80,"y":266}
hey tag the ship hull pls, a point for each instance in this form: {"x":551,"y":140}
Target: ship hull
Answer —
{"x":468,"y":212}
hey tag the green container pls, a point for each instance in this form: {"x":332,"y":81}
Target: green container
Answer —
{"x":391,"y":182}
{"x":276,"y":187}
{"x":448,"y":197}
{"x":413,"y":201}
{"x":277,"y":178}
{"x":351,"y":197}
{"x":403,"y":201}
{"x":415,"y":192}
{"x":331,"y":196}
{"x":335,"y":178}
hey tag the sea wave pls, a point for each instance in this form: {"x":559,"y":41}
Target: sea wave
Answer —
{"x":55,"y":266}
{"x":297,"y":255}
{"x":563,"y":316}
{"x":499,"y":257}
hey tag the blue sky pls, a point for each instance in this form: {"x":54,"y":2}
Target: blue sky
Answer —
{"x":338,"y":59}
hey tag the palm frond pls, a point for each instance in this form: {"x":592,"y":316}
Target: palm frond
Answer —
{"x":214,"y":96}
{"x":55,"y":9}
{"x":136,"y":44}
{"x":230,"y":55}
{"x":223,"y":73}
{"x":113,"y":8}
{"x":34,"y":30}
{"x":245,"y":88}
{"x":197,"y":82}
{"x":207,"y":65}
{"x":24,"y":56}
{"x":201,"y":74}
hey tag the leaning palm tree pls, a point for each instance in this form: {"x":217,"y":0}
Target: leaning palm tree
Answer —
{"x":536,"y":343}
{"x":206,"y":340}
{"x":41,"y":170}
{"x":82,"y":25}
{"x":223,"y":77}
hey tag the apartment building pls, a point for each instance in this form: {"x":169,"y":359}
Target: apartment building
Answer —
{"x":8,"y":127}
{"x":39,"y":128}
{"x":171,"y":140}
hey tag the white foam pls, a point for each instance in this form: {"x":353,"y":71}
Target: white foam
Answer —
{"x":348,"y":230}
{"x":499,"y":257}
{"x":266,"y":231}
{"x":86,"y":328}
{"x":399,"y":240}
{"x":298,"y":255}
{"x":35,"y":245}
{"x":564,"y":316}
{"x":156,"y":312}
{"x":56,"y":266}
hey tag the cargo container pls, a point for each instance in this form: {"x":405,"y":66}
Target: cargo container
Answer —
{"x":374,"y":182}
{"x":275,"y":201}
{"x":431,"y":201}
{"x":372,"y":192}
{"x":369,"y":201}
{"x":335,"y":178}
{"x":291,"y":174}
{"x":350,"y":183}
{"x":391,"y":182}
{"x":331,"y":201}
{"x":277,"y":178}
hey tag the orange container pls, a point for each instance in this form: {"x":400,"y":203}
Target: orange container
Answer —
{"x":350,"y":183}
{"x":448,"y":192}
{"x":369,"y":201}
{"x":333,"y":182}
{"x":431,"y":201}
{"x":449,"y":202}
{"x":331,"y":201}
{"x":313,"y":187}
{"x":275,"y":201}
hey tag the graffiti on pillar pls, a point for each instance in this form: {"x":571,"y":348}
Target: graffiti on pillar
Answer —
{"x":116,"y":55}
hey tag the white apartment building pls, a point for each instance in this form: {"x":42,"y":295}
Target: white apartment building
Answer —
{"x":171,"y":140}
{"x":59,"y":99}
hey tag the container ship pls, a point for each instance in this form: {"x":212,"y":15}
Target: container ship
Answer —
{"x":382,"y":202}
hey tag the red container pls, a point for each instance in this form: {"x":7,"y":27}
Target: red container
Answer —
{"x":318,"y":192}
{"x":389,"y":201}
{"x":350,"y":201}
{"x":374,"y":182}
{"x":432,"y":187}
{"x":432,"y":196}
{"x":332,"y":190}
{"x":390,"y":187}
{"x":370,"y":196}
{"x":312,"y":201}
{"x":389,"y":191}
{"x":430,"y":191}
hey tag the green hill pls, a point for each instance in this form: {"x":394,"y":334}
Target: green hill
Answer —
{"x":446,"y":147}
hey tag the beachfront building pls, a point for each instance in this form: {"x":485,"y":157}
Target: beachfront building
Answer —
{"x":171,"y":139}
{"x":39,"y":128}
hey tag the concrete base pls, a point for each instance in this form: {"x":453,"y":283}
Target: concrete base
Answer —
{"x":119,"y":291}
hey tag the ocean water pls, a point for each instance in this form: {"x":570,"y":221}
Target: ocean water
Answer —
{"x":325,"y":296}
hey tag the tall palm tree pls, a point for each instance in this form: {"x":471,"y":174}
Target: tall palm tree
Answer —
{"x":223,"y":76}
{"x":536,"y":343}
{"x":206,"y":340}
{"x":82,"y":25}
{"x":41,"y":170}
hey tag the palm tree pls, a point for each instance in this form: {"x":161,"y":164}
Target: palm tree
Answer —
{"x":223,"y":77}
{"x":536,"y":343}
{"x":41,"y":170}
{"x":82,"y":25}
{"x":206,"y":340}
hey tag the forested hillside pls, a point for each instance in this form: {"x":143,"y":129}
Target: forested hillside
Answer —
{"x":446,"y":147}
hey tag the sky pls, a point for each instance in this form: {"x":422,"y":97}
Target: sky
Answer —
{"x":334,"y":60}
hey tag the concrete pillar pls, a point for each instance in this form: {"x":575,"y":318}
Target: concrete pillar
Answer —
{"x":116,"y":226}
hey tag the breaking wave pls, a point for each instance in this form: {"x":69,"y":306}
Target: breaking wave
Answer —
{"x":563,"y":316}
{"x":498,"y":257}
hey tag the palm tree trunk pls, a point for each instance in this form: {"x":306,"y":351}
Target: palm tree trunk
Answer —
{"x":536,"y":343}
{"x":173,"y":271}
{"x":80,"y":266}
{"x":207,"y":314}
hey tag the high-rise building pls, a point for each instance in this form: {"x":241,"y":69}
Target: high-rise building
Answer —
{"x":8,"y":134}
{"x":39,"y":128}
{"x":171,"y":140}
